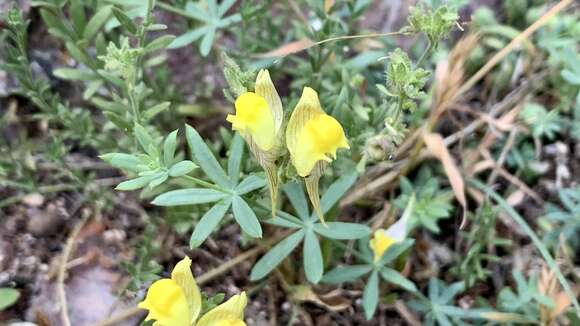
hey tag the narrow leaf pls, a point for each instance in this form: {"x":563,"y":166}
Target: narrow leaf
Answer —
{"x":181,"y":168}
{"x":246,"y":218}
{"x":313,"y":263}
{"x":275,"y":256}
{"x":394,"y":277}
{"x":190,"y":196}
{"x":250,"y":183}
{"x":205,"y":158}
{"x":343,"y":274}
{"x":96,"y":22}
{"x":371,"y":295}
{"x":209,"y":222}
{"x":342,"y":230}
{"x":235,"y":160}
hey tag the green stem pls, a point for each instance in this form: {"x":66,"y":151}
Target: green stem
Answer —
{"x":425,"y":54}
{"x":204,"y":183}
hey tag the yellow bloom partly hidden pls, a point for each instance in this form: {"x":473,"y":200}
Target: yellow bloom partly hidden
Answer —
{"x":176,"y":301}
{"x":258,"y":119}
{"x":384,"y":239}
{"x":312,"y":138}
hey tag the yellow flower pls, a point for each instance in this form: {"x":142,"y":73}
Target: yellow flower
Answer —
{"x":254,"y":119}
{"x":312,"y":138}
{"x":384,"y":239}
{"x":176,"y":301}
{"x":259,"y":117}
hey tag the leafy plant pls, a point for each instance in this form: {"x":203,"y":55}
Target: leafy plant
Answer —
{"x":564,"y":220}
{"x":439,"y":309}
{"x":542,"y":122}
{"x":482,"y":237}
{"x":307,"y":228}
{"x":431,"y":203}
{"x":211,"y":15}
{"x":155,"y":166}
{"x":226,"y":191}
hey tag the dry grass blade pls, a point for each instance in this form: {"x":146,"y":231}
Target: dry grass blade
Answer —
{"x":512,"y":45}
{"x":437,"y":147}
{"x":287,"y":49}
{"x":449,"y":76}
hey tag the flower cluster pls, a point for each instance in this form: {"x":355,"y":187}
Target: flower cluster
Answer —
{"x":312,"y":136}
{"x":176,"y":301}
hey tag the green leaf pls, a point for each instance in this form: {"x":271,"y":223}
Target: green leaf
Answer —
{"x":235,"y":160}
{"x":206,"y":159}
{"x":285,"y":223}
{"x":396,"y":250}
{"x":126,"y":162}
{"x":145,"y":140}
{"x":158,"y":178}
{"x":56,"y":24}
{"x":250,"y":183}
{"x":336,"y":190}
{"x":206,"y":42}
{"x":159,"y":43}
{"x":118,"y":121}
{"x":191,"y":196}
{"x":156,"y":109}
{"x":275,"y":256}
{"x":125,"y":21}
{"x":78,"y":54}
{"x":342,"y":230}
{"x":188,"y":38}
{"x":313,"y":263}
{"x":133,"y":184}
{"x":371,"y":295}
{"x":8,"y":297}
{"x":297,"y":198}
{"x":343,"y":274}
{"x":181,"y":168}
{"x":75,"y":74}
{"x":394,"y":277}
{"x":96,"y":22}
{"x":209,"y":222}
{"x":246,"y":218}
{"x":169,"y":148}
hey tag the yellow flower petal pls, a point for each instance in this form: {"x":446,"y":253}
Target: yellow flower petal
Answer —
{"x":266,"y":89}
{"x":184,"y":278}
{"x":319,"y":139}
{"x":229,"y":313}
{"x":166,"y":304}
{"x":380,"y":243}
{"x":312,"y":135}
{"x":253,"y":118}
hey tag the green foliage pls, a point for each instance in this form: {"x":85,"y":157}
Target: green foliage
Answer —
{"x":8,"y":297}
{"x":153,"y":166}
{"x":377,"y":269}
{"x":526,"y":300}
{"x":431,"y":203}
{"x":481,"y":241}
{"x":225,"y":191}
{"x":212,"y":17}
{"x":404,"y":81}
{"x":435,"y":24}
{"x":563,"y":220}
{"x":308,"y":228}
{"x":439,"y":309}
{"x":543,"y":123}
{"x":143,"y":269}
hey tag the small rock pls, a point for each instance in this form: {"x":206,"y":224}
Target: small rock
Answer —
{"x":114,"y":236}
{"x":33,"y":200}
{"x":44,"y":222}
